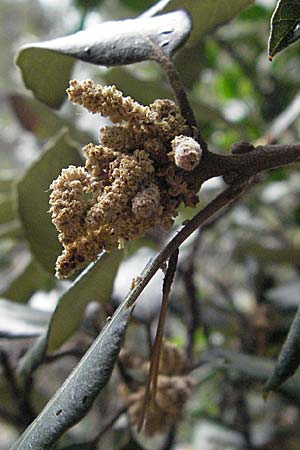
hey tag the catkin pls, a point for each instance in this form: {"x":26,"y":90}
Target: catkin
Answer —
{"x":131,"y":181}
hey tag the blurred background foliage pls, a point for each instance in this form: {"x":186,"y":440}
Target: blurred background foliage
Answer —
{"x":237,"y":286}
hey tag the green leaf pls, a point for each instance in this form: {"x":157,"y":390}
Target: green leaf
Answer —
{"x":7,"y":208}
{"x":87,"y":5}
{"x":289,"y":357}
{"x":95,"y":283}
{"x":7,"y":180}
{"x":285,"y":26}
{"x":11,"y":230}
{"x":19,"y":321}
{"x":45,"y":73}
{"x":33,"y":199}
{"x":74,"y":399}
{"x":206,"y":15}
{"x":32,"y":279}
{"x":46,"y":66}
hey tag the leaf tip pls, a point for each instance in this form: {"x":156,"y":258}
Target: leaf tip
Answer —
{"x":270,"y":58}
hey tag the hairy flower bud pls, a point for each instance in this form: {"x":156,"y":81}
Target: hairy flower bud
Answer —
{"x":187,"y":152}
{"x":146,"y":202}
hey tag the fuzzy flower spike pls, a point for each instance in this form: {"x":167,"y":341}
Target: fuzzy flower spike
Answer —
{"x":133,"y":180}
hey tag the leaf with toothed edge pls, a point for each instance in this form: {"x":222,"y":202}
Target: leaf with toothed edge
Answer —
{"x":110,"y":43}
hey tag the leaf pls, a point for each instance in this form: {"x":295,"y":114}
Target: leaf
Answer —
{"x":206,"y":15}
{"x":289,"y":357}
{"x":84,"y":446}
{"x":95,"y":283}
{"x":7,"y":180}
{"x":285,"y":296}
{"x":11,"y":230}
{"x":19,"y":321}
{"x":132,"y":445}
{"x":7,"y":208}
{"x":32,"y":279}
{"x":110,"y":43}
{"x":75,"y":397}
{"x":137,"y":5}
{"x":267,"y":254}
{"x":45,"y":73}
{"x":84,"y":5}
{"x":33,"y":199}
{"x":285,"y":26}
{"x":40,"y":120}
{"x":258,"y":368}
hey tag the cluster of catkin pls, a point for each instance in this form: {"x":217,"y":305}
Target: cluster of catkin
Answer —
{"x":133,"y":180}
{"x":174,"y":387}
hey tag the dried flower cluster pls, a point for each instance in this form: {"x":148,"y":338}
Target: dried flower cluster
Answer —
{"x":132,"y":180}
{"x":173,"y":390}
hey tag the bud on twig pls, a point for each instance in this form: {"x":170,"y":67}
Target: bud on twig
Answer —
{"x":187,"y":152}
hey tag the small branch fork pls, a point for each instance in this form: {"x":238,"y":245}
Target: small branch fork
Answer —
{"x":170,"y":252}
{"x":247,"y":160}
{"x":245,"y":165}
{"x":151,"y":386}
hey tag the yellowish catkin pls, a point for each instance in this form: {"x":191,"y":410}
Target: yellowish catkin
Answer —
{"x":130,"y":182}
{"x":174,"y":387}
{"x":167,"y":407}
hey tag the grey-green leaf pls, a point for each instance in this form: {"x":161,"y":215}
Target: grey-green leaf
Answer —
{"x":46,"y":70}
{"x":285,"y":26}
{"x":124,"y":41}
{"x":33,"y":198}
{"x":95,"y":283}
{"x":73,"y":400}
{"x":260,"y":369}
{"x":289,"y":357}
